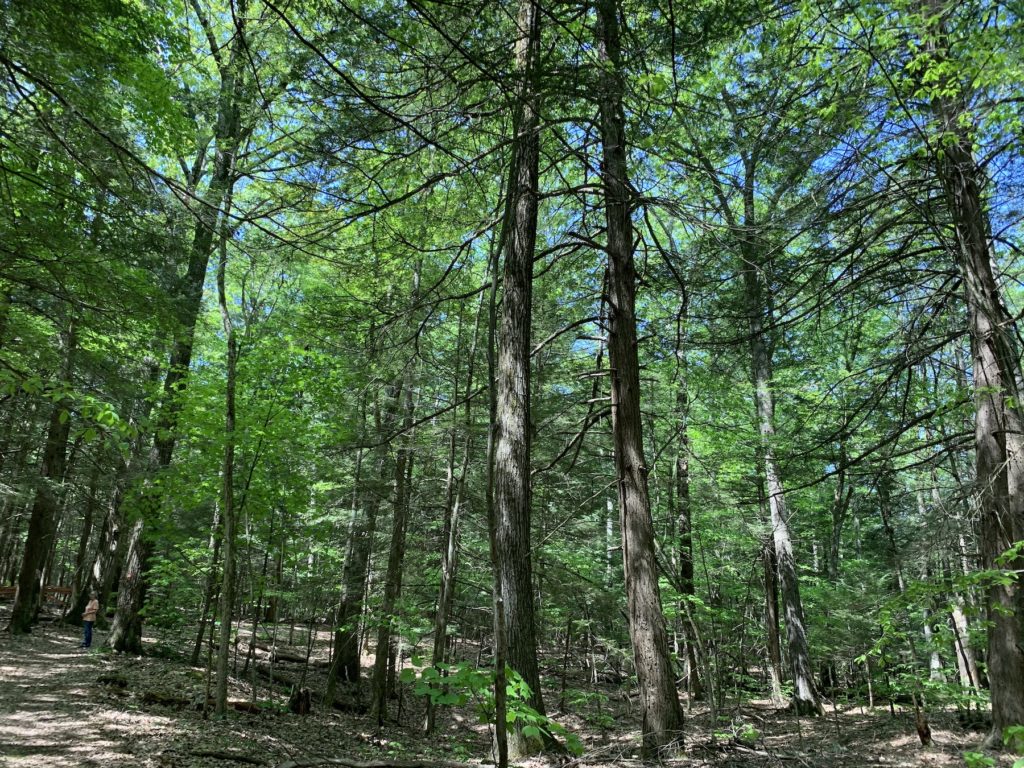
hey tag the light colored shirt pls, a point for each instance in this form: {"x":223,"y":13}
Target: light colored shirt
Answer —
{"x":89,"y":614}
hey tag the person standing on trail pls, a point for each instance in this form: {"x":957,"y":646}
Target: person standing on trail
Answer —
{"x":89,"y":618}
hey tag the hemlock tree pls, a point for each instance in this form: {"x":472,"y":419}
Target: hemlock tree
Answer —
{"x":512,"y":454}
{"x":662,"y":715}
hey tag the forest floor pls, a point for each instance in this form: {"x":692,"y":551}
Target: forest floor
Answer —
{"x":61,"y":706}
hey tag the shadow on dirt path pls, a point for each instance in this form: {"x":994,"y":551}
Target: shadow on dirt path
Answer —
{"x":50,"y":713}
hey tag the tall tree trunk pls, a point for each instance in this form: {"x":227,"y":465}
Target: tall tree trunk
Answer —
{"x":453,"y":507}
{"x":998,"y":425}
{"x":100,"y":576}
{"x":227,"y":586}
{"x":81,"y":577}
{"x":126,"y":633}
{"x":771,"y":621}
{"x":512,"y":470}
{"x":500,"y":743}
{"x":396,"y":556}
{"x":760,"y":318}
{"x":345,"y":664}
{"x":42,"y":520}
{"x":684,"y":520}
{"x":662,"y":715}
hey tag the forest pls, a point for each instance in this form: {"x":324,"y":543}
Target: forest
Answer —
{"x":577,"y":382}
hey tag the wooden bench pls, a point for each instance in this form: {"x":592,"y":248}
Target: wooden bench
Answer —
{"x":57,"y":594}
{"x":50,"y":594}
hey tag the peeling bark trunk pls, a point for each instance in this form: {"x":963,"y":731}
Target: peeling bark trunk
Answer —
{"x":998,"y":433}
{"x":998,"y":424}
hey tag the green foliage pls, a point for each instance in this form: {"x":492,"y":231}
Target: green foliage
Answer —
{"x":978,"y":760}
{"x":460,"y":683}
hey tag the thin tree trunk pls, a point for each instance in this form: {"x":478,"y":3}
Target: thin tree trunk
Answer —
{"x":840,"y":508}
{"x":81,"y":576}
{"x":227,"y":587}
{"x":396,"y":556}
{"x":211,"y":583}
{"x":760,"y":319}
{"x":345,"y":664}
{"x":500,"y":743}
{"x":771,"y":620}
{"x":453,"y":507}
{"x":346,"y":656}
{"x":662,"y":715}
{"x":684,"y":520}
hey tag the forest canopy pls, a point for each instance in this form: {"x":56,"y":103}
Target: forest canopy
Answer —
{"x":679,"y":339}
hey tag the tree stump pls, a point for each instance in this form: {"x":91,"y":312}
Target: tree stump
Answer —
{"x":301,"y":701}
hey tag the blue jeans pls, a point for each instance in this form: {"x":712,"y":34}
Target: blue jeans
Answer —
{"x":87,"y":634}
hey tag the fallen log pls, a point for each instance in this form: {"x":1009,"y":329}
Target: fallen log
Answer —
{"x":233,"y":756}
{"x":195,"y":701}
{"x":316,"y":761}
{"x":277,"y":654}
{"x":275,"y":676}
{"x":340,"y":703}
{"x":351,"y":706}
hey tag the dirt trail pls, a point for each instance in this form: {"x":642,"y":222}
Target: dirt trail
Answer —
{"x":55,"y":713}
{"x":50,"y":714}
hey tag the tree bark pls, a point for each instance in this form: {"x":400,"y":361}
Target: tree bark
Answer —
{"x":684,"y":520}
{"x":771,"y":620}
{"x":396,"y":556}
{"x":998,"y":425}
{"x":42,"y":519}
{"x":760,"y":318}
{"x":662,"y":715}
{"x":500,"y":742}
{"x":126,"y":633}
{"x":512,"y":469}
{"x":227,"y":586}
{"x":999,"y":452}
